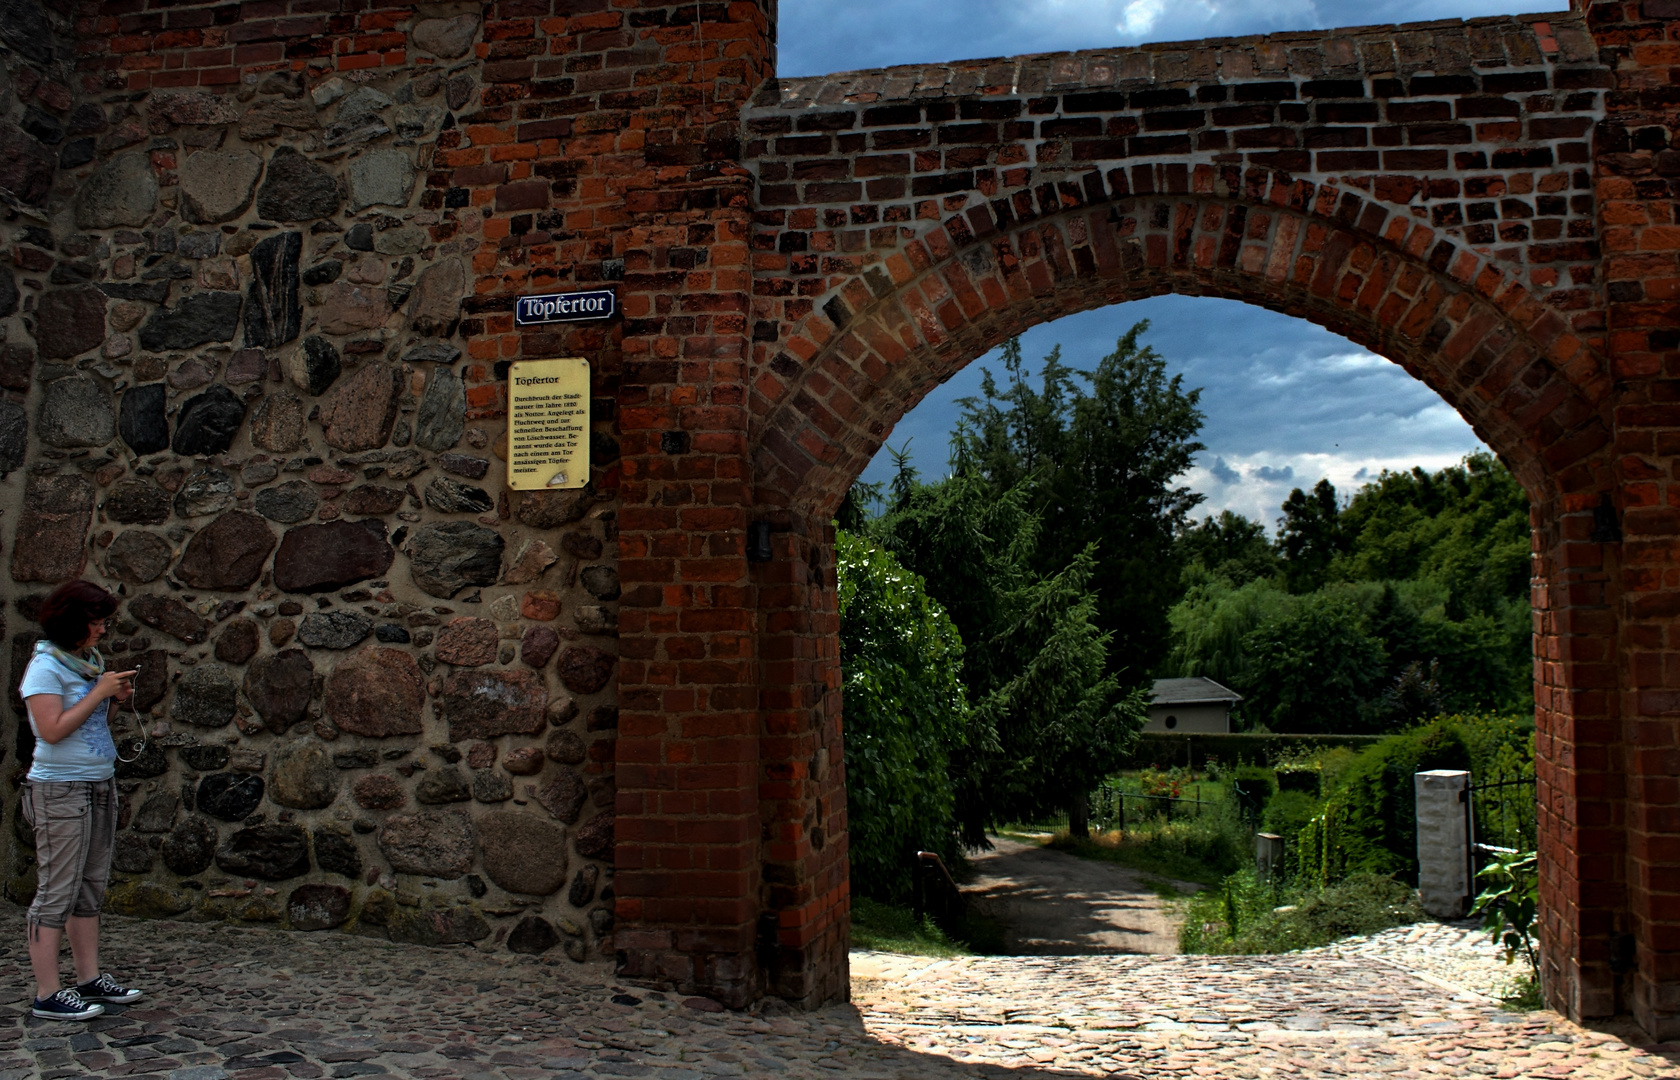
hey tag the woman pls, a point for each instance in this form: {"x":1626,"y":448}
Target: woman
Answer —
{"x":71,"y":797}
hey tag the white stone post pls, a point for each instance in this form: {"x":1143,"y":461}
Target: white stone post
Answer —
{"x":1443,"y":842}
{"x":1268,"y":855}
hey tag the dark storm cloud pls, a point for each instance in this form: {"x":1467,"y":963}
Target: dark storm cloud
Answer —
{"x":1224,"y":473}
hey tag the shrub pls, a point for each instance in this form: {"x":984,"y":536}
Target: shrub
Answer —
{"x":905,"y":712}
{"x":1298,"y":779}
{"x":1286,"y":814}
{"x":1378,"y":797}
{"x":1253,"y":789}
{"x":1499,"y":746}
{"x":1202,"y":849}
{"x":1369,"y":821}
{"x":1245,"y":916}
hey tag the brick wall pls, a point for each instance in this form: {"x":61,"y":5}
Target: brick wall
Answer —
{"x":424,"y":168}
{"x":1430,"y":192}
{"x":1488,"y":204}
{"x":1626,"y":761}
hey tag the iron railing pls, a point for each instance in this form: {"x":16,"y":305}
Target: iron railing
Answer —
{"x":1108,"y":806}
{"x":1501,"y":818}
{"x":935,"y":892}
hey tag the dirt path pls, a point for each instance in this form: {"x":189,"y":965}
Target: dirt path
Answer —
{"x":1055,"y":904}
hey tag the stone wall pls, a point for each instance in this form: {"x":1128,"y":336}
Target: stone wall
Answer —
{"x":257,"y":269}
{"x":241,"y":393}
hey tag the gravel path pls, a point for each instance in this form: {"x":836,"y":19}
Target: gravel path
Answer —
{"x":1055,"y":904}
{"x":265,"y":1004}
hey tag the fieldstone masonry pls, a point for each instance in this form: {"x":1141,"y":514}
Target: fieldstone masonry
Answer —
{"x":259,"y":266}
{"x":241,"y":396}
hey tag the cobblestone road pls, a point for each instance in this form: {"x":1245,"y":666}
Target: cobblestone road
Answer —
{"x":260,"y":1004}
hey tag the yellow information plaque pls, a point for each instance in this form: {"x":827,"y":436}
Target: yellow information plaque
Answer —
{"x":548,"y":424}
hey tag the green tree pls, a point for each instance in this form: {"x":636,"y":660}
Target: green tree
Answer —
{"x":906,"y":712}
{"x":1229,"y":546}
{"x":1313,"y":668}
{"x":1310,"y":536}
{"x":1211,"y":625}
{"x":1429,"y":567}
{"x":1047,"y":719}
{"x":1464,"y":527}
{"x":1058,"y":722}
{"x":1100,"y":452}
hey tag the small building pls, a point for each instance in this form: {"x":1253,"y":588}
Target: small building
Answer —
{"x":1196,"y":706}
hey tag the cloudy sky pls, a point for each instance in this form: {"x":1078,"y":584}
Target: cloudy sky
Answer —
{"x":1286,"y":401}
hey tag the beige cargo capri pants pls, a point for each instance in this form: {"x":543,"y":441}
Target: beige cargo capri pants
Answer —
{"x":75,"y":824}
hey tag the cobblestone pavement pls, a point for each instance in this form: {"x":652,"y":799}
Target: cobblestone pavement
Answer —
{"x":262,"y":1004}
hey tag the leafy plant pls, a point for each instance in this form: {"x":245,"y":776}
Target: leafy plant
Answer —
{"x":906,"y":713}
{"x":1204,"y":850}
{"x":1508,"y":904}
{"x":1048,"y":719}
{"x":1246,"y":916}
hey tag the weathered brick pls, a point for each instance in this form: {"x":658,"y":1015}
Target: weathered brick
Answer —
{"x":796,"y":268}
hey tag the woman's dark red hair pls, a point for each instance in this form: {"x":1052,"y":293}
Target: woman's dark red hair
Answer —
{"x":68,"y":609}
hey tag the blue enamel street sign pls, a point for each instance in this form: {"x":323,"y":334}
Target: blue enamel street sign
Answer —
{"x":564,"y":307}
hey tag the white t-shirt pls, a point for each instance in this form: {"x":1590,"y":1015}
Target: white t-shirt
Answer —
{"x":86,"y":753}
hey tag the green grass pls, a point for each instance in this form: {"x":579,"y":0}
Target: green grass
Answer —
{"x":1241,"y":915}
{"x":1168,"y":890}
{"x":1027,"y":834}
{"x":894,"y":929}
{"x":1522,"y":994}
{"x":888,"y":928}
{"x":1201,"y":850}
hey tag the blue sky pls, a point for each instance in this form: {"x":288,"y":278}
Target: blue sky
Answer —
{"x":1286,"y":401}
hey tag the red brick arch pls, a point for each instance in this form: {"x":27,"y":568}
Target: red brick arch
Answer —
{"x":876,"y":344}
{"x":1434,"y":194}
{"x":1492,"y":203}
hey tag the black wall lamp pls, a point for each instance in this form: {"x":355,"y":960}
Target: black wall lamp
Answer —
{"x":1606,"y":529}
{"x":758,"y":541}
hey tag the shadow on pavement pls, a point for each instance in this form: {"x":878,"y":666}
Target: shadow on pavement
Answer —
{"x":1056,"y":904}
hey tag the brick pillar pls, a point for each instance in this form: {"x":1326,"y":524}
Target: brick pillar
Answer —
{"x":1627,"y":839}
{"x":666,"y":141}
{"x":1582,"y":887}
{"x":805,"y":929}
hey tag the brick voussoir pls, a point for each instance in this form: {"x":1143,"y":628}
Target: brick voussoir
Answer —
{"x":1485,"y":202}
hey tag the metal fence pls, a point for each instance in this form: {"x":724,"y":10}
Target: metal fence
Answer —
{"x":1502,"y":819}
{"x":1111,"y":807}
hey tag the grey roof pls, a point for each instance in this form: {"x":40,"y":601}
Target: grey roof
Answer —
{"x":1191,"y":692}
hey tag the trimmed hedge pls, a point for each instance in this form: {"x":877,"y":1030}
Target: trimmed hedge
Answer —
{"x":1369,"y":823}
{"x":1163,"y":750}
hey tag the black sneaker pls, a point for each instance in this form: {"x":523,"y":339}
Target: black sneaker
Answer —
{"x":108,"y":990}
{"x":67,"y":1004}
